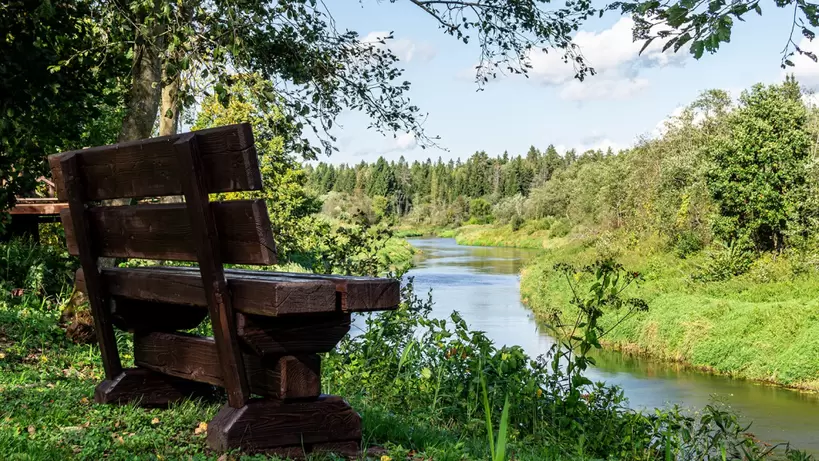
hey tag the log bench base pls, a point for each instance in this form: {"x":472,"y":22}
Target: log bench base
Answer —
{"x":292,"y":428}
{"x":149,"y":389}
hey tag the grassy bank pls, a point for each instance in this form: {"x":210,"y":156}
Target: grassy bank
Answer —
{"x":426,"y":389}
{"x":532,"y":234}
{"x":762,"y":325}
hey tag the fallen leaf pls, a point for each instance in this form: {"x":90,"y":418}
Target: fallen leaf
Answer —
{"x":120,"y":440}
{"x":84,"y":400}
{"x":31,"y":430}
{"x":155,"y":421}
{"x":203,"y":427}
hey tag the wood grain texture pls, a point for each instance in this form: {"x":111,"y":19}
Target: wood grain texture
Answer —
{"x":288,"y":377}
{"x":252,"y":292}
{"x":272,"y":337}
{"x":38,"y":209}
{"x":95,"y":289}
{"x":206,"y":237}
{"x":353,"y":294}
{"x":163,"y":231}
{"x":195,"y":358}
{"x":268,"y":424}
{"x":149,"y":167}
{"x":360,"y":294}
{"x":148,"y":389}
{"x":134,"y":315}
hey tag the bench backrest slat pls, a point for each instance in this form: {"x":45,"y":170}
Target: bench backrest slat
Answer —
{"x":163,"y":231}
{"x":150,"y":168}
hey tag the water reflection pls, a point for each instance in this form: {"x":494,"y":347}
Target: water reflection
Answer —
{"x":483,"y":285}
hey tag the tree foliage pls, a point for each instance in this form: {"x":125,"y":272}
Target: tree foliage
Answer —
{"x":705,"y":25}
{"x":758,"y":172}
{"x":52,"y":99}
{"x":735,"y":172}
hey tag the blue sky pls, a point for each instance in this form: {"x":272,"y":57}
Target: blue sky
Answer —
{"x":629,"y":97}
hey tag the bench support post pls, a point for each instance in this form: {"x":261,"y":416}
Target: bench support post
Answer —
{"x":210,"y":266}
{"x":95,"y":289}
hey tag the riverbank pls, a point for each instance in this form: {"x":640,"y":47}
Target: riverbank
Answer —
{"x":532,"y":234}
{"x":762,"y":325}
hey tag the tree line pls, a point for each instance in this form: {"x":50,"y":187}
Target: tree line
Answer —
{"x":738,"y":171}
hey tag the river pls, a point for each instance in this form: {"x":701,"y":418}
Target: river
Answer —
{"x":482,"y":283}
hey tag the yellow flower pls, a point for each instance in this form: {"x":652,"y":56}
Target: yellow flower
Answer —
{"x":385,"y":458}
{"x":539,"y":392}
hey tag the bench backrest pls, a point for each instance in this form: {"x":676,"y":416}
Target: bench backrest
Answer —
{"x":151,"y":168}
{"x":191,"y":164}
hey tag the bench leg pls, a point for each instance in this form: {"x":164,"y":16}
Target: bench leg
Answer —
{"x":327,"y":423}
{"x":148,"y":388}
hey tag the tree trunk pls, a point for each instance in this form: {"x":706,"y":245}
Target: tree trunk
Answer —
{"x":146,"y":84}
{"x":169,"y":105}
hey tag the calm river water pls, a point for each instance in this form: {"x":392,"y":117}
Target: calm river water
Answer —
{"x":482,"y":283}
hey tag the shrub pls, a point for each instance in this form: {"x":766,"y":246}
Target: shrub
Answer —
{"x":725,"y":262}
{"x":516,"y":222}
{"x":480,"y":211}
{"x":508,"y":209}
{"x":560,"y":228}
{"x":687,"y":243}
{"x":28,"y":269}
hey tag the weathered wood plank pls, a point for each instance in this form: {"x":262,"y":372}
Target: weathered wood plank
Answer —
{"x":272,"y":294}
{"x":149,"y":167}
{"x":267,"y":424}
{"x":272,"y":337}
{"x":360,"y":294}
{"x":195,"y":358}
{"x":95,"y":289}
{"x":38,"y":209}
{"x":207,"y":238}
{"x":148,"y":389}
{"x":163,"y":231}
{"x":355,"y":294}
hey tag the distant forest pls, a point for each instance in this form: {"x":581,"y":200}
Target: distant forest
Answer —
{"x":737,"y":171}
{"x":406,"y":186}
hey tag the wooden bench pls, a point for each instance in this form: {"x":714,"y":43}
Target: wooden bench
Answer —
{"x":268,"y":327}
{"x":29,"y":212}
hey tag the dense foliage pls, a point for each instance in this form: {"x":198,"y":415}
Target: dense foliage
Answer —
{"x":742,"y":173}
{"x":52,"y":98}
{"x":427,"y":388}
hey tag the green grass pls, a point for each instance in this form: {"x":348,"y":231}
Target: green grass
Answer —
{"x":532,"y":234}
{"x":763,"y":325}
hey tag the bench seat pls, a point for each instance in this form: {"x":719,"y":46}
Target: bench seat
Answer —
{"x":265,"y":293}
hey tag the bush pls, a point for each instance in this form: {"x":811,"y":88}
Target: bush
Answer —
{"x":516,"y":222}
{"x":687,"y":243}
{"x":29,"y":269}
{"x":725,"y":262}
{"x":480,"y":211}
{"x":509,"y":208}
{"x":560,"y":228}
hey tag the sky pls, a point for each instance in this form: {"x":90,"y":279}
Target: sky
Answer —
{"x":630,"y":96}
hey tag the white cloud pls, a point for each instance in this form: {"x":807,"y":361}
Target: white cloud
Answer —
{"x":804,"y":68}
{"x":811,"y":99}
{"x":404,"y":141}
{"x":603,"y":88}
{"x":406,"y":50}
{"x":594,"y":142}
{"x":615,"y":58}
